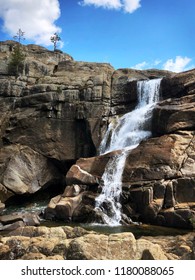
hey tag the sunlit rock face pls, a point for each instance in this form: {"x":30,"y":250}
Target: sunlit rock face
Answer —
{"x":55,"y":114}
{"x":54,"y":110}
{"x":57,"y":105}
{"x":76,"y":243}
{"x":158,"y":176}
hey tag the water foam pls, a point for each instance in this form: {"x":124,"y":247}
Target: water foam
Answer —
{"x":125,"y":135}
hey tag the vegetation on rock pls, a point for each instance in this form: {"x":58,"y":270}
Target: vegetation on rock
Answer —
{"x":16,"y":63}
{"x":55,"y":39}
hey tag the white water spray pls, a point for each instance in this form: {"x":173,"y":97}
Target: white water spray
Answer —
{"x":125,"y":135}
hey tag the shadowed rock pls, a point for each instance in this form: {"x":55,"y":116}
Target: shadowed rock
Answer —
{"x":24,"y":171}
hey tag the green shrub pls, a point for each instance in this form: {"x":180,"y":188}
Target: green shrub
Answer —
{"x":16,"y":63}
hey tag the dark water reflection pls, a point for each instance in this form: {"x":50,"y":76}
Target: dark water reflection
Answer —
{"x":137,"y":230}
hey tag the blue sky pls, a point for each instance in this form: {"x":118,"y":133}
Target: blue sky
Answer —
{"x":139,"y":34}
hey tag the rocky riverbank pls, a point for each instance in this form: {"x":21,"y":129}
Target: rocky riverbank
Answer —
{"x":59,"y":243}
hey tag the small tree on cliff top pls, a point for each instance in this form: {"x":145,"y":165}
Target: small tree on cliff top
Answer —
{"x":19,"y":35}
{"x":55,"y":39}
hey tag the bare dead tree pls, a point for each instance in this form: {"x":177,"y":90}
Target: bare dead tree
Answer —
{"x":55,"y":39}
{"x":20,"y":35}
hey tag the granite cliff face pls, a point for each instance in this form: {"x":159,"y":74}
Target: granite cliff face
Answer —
{"x":55,"y":113}
{"x":55,"y":110}
{"x":158,"y":178}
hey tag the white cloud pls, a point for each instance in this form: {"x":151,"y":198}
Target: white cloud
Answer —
{"x":110,"y":4}
{"x":140,"y":66}
{"x":35,"y":17}
{"x":147,"y":65}
{"x":157,"y":62}
{"x":129,"y":6}
{"x":178,"y":65}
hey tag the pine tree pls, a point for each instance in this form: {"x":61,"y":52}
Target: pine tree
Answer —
{"x":16,"y":64}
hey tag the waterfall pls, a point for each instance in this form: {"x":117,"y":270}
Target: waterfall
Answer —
{"x":125,"y":134}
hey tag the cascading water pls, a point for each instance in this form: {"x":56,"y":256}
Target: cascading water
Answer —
{"x":125,"y":135}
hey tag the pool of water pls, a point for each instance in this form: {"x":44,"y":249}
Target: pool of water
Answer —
{"x":137,"y":230}
{"x":27,"y":207}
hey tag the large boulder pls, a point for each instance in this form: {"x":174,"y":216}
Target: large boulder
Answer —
{"x":75,"y":204}
{"x":62,"y":206}
{"x":113,"y":247}
{"x":88,"y":171}
{"x":77,"y":175}
{"x":166,"y":157}
{"x":24,"y":171}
